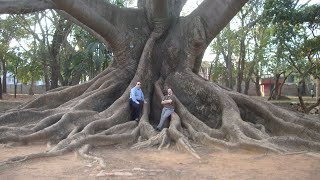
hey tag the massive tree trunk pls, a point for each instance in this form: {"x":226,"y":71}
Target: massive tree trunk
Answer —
{"x":227,"y":55}
{"x":31,"y":92}
{"x":63,"y":28}
{"x":4,"y":76}
{"x":161,"y":50}
{"x":257,"y":85}
{"x":241,"y":64}
{"x":249,"y":77}
{"x":0,"y":88}
{"x":275,"y":91}
{"x":0,"y":85}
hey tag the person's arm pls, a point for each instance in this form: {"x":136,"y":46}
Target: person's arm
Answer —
{"x":133,"y":95}
{"x":166,"y":101}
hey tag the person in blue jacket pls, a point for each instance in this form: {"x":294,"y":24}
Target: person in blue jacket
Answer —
{"x":136,"y":101}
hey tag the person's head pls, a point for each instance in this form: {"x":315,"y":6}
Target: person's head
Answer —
{"x":138,"y":84}
{"x":170,"y":92}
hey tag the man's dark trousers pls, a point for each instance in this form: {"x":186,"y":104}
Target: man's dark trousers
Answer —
{"x":135,"y":109}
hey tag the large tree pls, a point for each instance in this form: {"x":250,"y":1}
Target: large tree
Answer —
{"x":156,"y":46}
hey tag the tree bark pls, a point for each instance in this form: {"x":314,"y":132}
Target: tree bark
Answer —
{"x":4,"y":76}
{"x":166,"y":54}
{"x":241,"y":64}
{"x":257,"y":85}
{"x":249,"y":78}
{"x":275,"y":91}
{"x":1,"y":88}
{"x":63,"y":28}
{"x":227,"y":58}
{"x":31,"y":91}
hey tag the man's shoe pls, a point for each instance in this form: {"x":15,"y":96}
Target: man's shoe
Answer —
{"x":137,"y":120}
{"x":158,"y":130}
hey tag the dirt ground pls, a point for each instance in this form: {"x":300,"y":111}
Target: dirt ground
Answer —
{"x":8,"y":101}
{"x":124,"y":163}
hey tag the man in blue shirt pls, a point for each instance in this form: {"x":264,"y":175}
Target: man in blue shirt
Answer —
{"x":136,"y":101}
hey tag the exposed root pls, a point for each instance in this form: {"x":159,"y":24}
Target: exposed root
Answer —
{"x":184,"y":144}
{"x":181,"y":141}
{"x":19,"y":159}
{"x":293,"y":144}
{"x":153,"y":141}
{"x":96,"y":113}
{"x":59,"y":96}
{"x":71,"y":128}
{"x":90,"y":135}
{"x":57,"y":131}
{"x":119,"y":129}
{"x":165,"y":143}
{"x":12,"y":118}
{"x":84,"y":152}
{"x":207,"y":140}
{"x":245,"y":123}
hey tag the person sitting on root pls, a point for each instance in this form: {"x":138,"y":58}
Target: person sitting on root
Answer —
{"x":136,"y":101}
{"x":168,"y":103}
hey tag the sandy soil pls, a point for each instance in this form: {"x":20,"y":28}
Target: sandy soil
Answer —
{"x":8,"y":101}
{"x":124,"y":163}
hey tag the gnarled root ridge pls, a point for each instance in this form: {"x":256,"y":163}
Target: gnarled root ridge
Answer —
{"x":97,"y":114}
{"x":238,"y":121}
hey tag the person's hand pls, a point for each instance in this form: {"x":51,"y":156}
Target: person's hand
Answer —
{"x":137,"y":102}
{"x":145,"y":102}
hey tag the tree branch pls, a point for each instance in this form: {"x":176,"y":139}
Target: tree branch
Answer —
{"x":112,"y":13}
{"x":217,"y":14}
{"x":92,"y":32}
{"x":174,"y":7}
{"x":91,"y":18}
{"x":24,"y":6}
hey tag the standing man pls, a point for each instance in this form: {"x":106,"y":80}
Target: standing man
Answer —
{"x":136,"y":101}
{"x":168,"y":103}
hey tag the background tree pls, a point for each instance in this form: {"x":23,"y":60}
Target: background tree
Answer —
{"x":74,"y":67}
{"x":248,"y":17}
{"x":255,"y":48}
{"x":90,"y":58}
{"x":226,"y":44}
{"x":235,"y":44}
{"x":9,"y":31}
{"x":156,"y":46}
{"x":288,"y":18}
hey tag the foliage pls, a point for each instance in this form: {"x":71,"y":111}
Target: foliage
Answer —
{"x":90,"y":56}
{"x":274,"y":32}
